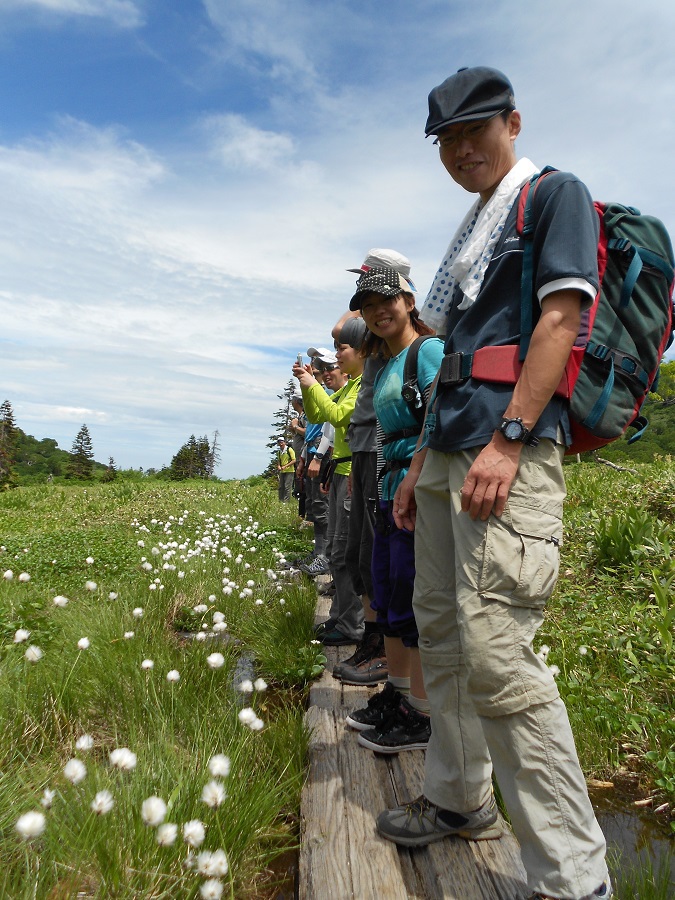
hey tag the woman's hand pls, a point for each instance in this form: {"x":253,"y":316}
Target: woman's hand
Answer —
{"x":304,"y":375}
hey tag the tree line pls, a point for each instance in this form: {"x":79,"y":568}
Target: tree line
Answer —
{"x":23,"y":458}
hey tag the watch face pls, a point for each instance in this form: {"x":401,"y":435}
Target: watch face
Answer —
{"x":512,"y":431}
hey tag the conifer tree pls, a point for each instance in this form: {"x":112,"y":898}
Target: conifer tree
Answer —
{"x":193,"y":460}
{"x":8,"y":436}
{"x":110,"y":473}
{"x":281,"y":425}
{"x":81,"y":455}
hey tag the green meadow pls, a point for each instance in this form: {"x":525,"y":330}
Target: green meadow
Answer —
{"x":149,"y":631}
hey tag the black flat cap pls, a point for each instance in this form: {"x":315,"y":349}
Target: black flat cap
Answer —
{"x":476,"y":93}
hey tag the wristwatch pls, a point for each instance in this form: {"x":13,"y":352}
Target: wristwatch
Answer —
{"x":514,"y":430}
{"x":319,"y":455}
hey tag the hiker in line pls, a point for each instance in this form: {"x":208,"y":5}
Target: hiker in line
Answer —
{"x":485,"y":497}
{"x":398,"y":717}
{"x":298,"y":426}
{"x":285,"y":469}
{"x":368,"y":663}
{"x":346,"y":613}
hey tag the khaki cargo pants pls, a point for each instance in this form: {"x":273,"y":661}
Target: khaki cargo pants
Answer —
{"x":480,"y":591}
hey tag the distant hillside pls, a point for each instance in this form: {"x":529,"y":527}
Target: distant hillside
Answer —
{"x":42,"y":458}
{"x":658,"y":439}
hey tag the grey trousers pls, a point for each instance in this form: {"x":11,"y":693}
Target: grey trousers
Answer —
{"x":480,"y":591}
{"x":346,"y":609}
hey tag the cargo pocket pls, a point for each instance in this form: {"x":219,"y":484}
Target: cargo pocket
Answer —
{"x":521,"y":557}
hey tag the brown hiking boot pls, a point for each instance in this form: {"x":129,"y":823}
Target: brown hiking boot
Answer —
{"x":371,"y":646}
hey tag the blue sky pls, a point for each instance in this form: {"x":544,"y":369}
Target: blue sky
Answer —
{"x":184,"y":183}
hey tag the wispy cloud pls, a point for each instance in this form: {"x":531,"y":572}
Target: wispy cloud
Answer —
{"x":124,"y":13}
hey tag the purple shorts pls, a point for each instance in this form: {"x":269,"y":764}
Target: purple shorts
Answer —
{"x":393,"y":569}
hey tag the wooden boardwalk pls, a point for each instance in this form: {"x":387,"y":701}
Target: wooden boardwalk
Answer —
{"x":341,"y":855}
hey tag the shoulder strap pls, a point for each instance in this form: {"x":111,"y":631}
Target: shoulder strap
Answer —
{"x":525,"y":227}
{"x":410,"y":374}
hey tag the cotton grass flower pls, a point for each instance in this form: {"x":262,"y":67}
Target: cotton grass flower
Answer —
{"x":102,"y":803}
{"x":8,"y":575}
{"x":544,"y":651}
{"x":90,"y":585}
{"x":214,"y":865}
{"x":246,"y":686}
{"x":138,"y":612}
{"x":83,"y":643}
{"x":147,"y":664}
{"x":257,"y":724}
{"x":21,"y":635}
{"x":173,"y":676}
{"x":246,"y":715}
{"x":112,"y":595}
{"x":31,"y":824}
{"x":122,"y":758}
{"x":89,"y":560}
{"x":213,"y":793}
{"x":219,"y":765}
{"x":75,"y":771}
{"x":194,"y":833}
{"x":153,"y":811}
{"x":260,"y":684}
{"x":86,"y":742}
{"x":218,"y":617}
{"x":215,"y":660}
{"x":24,"y":577}
{"x":166,"y":834}
{"x":128,"y":635}
{"x":583,"y":651}
{"x":60,"y":601}
{"x":554,"y":670}
{"x":48,"y":798}
{"x":211,"y":889}
{"x":33,"y":653}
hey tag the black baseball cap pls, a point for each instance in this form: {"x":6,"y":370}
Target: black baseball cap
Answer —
{"x":470,"y":94}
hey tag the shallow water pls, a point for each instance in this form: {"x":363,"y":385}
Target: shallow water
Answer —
{"x":634,"y":836}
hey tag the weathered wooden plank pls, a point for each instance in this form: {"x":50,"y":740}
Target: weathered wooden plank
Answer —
{"x":324,"y":870}
{"x":374,"y":862}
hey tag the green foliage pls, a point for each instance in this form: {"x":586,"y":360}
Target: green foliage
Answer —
{"x":193,"y":460}
{"x":7,"y":446}
{"x":68,"y":536}
{"x":81,"y":463}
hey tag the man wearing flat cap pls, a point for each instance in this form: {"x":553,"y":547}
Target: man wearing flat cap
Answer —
{"x":485,"y":496}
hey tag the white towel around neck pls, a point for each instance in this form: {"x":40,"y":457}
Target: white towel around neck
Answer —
{"x":471,"y":248}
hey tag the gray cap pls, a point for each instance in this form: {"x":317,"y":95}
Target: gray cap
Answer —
{"x":353,"y":332}
{"x":469,"y":94}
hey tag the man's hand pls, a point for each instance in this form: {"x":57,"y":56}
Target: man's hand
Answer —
{"x":405,"y":507}
{"x":488,"y":481}
{"x":314,"y":468}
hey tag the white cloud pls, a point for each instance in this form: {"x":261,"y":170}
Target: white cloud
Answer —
{"x":124,"y":13}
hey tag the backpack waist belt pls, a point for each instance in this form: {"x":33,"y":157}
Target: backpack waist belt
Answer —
{"x":501,"y":364}
{"x":400,"y":435}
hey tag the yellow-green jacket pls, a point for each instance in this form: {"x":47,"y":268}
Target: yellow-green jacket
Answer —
{"x":336,"y":409}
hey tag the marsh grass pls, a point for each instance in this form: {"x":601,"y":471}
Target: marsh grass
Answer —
{"x":174,"y":728}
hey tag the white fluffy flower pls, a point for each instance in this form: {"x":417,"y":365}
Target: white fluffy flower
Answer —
{"x":173,"y":676}
{"x":260,"y":684}
{"x":21,"y":635}
{"x":60,"y":601}
{"x":33,"y":653}
{"x":211,"y":890}
{"x":259,"y":602}
{"x":219,"y":765}
{"x":147,"y":664}
{"x":583,"y":650}
{"x":257,"y":724}
{"x":138,"y":612}
{"x":83,"y":643}
{"x":24,"y":576}
{"x":215,"y":660}
{"x":213,"y":793}
{"x":217,"y":865}
{"x":89,"y":560}
{"x":48,"y":798}
{"x":153,"y":811}
{"x":247,"y":715}
{"x":86,"y":742}
{"x":219,"y":626}
{"x":8,"y":575}
{"x":246,"y":686}
{"x":554,"y":670}
{"x":194,"y":832}
{"x":128,"y":635}
{"x":218,"y":617}
{"x":102,"y":803}
{"x":544,"y":651}
{"x":200,"y":608}
{"x":200,"y":636}
{"x":90,"y":585}
{"x":167,"y":834}
{"x":31,"y":824}
{"x":112,"y":595}
{"x":122,"y":758}
{"x":75,"y":771}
